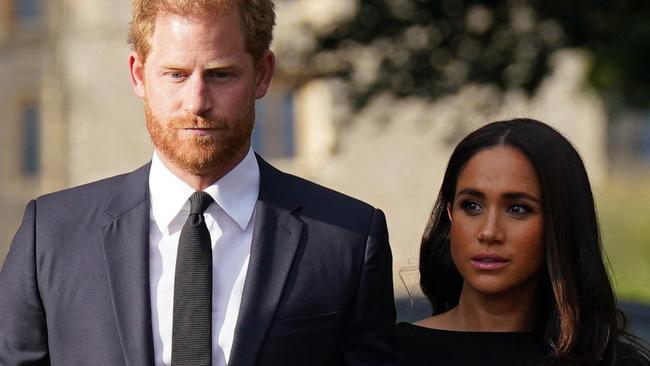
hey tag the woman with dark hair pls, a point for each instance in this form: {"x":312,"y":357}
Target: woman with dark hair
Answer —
{"x":511,"y":260}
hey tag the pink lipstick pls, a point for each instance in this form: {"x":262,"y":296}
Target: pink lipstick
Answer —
{"x":489,"y":262}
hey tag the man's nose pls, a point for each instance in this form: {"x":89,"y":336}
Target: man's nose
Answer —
{"x":197,"y":98}
{"x":491,"y":231}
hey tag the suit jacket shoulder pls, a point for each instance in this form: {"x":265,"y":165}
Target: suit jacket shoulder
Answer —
{"x":77,"y":264}
{"x":99,"y":195}
{"x":315,"y":201}
{"x":325,"y":283}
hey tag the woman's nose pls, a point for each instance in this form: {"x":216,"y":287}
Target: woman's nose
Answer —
{"x":491,"y":230}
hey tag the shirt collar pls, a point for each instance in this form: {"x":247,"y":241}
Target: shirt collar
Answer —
{"x":236,"y":192}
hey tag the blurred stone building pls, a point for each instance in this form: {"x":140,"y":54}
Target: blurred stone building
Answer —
{"x":22,"y":32}
{"x":68,"y":116}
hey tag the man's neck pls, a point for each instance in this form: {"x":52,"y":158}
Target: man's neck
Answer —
{"x":204,"y":179}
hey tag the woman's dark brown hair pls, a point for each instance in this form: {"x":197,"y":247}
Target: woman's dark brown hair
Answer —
{"x":578,"y":321}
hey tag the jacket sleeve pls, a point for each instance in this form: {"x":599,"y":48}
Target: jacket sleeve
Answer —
{"x":370,"y":333}
{"x":23,"y":329}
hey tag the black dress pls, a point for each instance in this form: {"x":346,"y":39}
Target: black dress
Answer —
{"x":424,"y":346}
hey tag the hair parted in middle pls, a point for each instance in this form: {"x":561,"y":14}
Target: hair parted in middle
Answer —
{"x":257,"y":20}
{"x":578,"y":319}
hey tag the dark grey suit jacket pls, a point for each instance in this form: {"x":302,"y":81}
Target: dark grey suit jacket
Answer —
{"x":74,"y":288}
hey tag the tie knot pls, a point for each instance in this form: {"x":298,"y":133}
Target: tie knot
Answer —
{"x":199,"y":202}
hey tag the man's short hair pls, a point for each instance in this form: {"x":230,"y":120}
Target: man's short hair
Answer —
{"x":257,"y":20}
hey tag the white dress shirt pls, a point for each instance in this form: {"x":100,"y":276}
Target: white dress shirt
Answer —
{"x":230,"y":223}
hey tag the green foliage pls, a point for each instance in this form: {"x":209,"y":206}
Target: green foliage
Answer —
{"x":624,"y":207}
{"x":432,"y":47}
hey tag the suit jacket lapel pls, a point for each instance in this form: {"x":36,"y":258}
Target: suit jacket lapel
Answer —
{"x":126,"y":250}
{"x":276,"y":238}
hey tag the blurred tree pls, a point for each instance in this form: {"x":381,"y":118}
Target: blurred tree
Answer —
{"x":430,"y":48}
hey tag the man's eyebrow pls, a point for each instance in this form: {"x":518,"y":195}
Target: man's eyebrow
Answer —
{"x":208,"y":66}
{"x":220,"y":65}
{"x":173,"y":67}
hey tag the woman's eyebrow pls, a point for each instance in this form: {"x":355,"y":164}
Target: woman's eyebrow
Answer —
{"x":520,"y":195}
{"x":471,"y":192}
{"x":508,"y":195}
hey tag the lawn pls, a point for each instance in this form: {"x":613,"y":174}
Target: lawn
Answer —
{"x":624,"y":212}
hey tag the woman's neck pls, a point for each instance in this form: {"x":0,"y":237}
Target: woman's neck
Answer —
{"x":512,"y":313}
{"x":475,"y":312}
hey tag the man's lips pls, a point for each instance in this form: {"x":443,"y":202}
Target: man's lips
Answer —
{"x":489,"y":261}
{"x":199,"y":130}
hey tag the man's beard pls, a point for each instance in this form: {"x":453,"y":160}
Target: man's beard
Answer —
{"x":200,"y":155}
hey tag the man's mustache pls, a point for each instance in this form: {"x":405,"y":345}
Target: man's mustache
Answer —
{"x":197,"y":122}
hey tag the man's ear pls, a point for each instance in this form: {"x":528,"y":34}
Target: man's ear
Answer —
{"x":136,"y":69}
{"x":264,"y":73}
{"x":449,"y":211}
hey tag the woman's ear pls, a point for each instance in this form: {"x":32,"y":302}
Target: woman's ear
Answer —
{"x":449,"y":211}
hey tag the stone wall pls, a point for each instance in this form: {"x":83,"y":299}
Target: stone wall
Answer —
{"x":90,"y":96}
{"x":74,"y":64}
{"x":20,"y":71}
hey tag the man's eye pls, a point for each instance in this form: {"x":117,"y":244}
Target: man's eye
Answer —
{"x":471,"y":207}
{"x":217,"y":74}
{"x":176,"y":75}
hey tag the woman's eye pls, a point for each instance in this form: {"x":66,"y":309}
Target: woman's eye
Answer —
{"x":519,"y":210}
{"x":471,"y":207}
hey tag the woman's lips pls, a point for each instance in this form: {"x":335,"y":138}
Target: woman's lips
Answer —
{"x":489,"y":262}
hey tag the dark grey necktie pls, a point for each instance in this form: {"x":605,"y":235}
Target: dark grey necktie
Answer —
{"x":192,"y":325}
